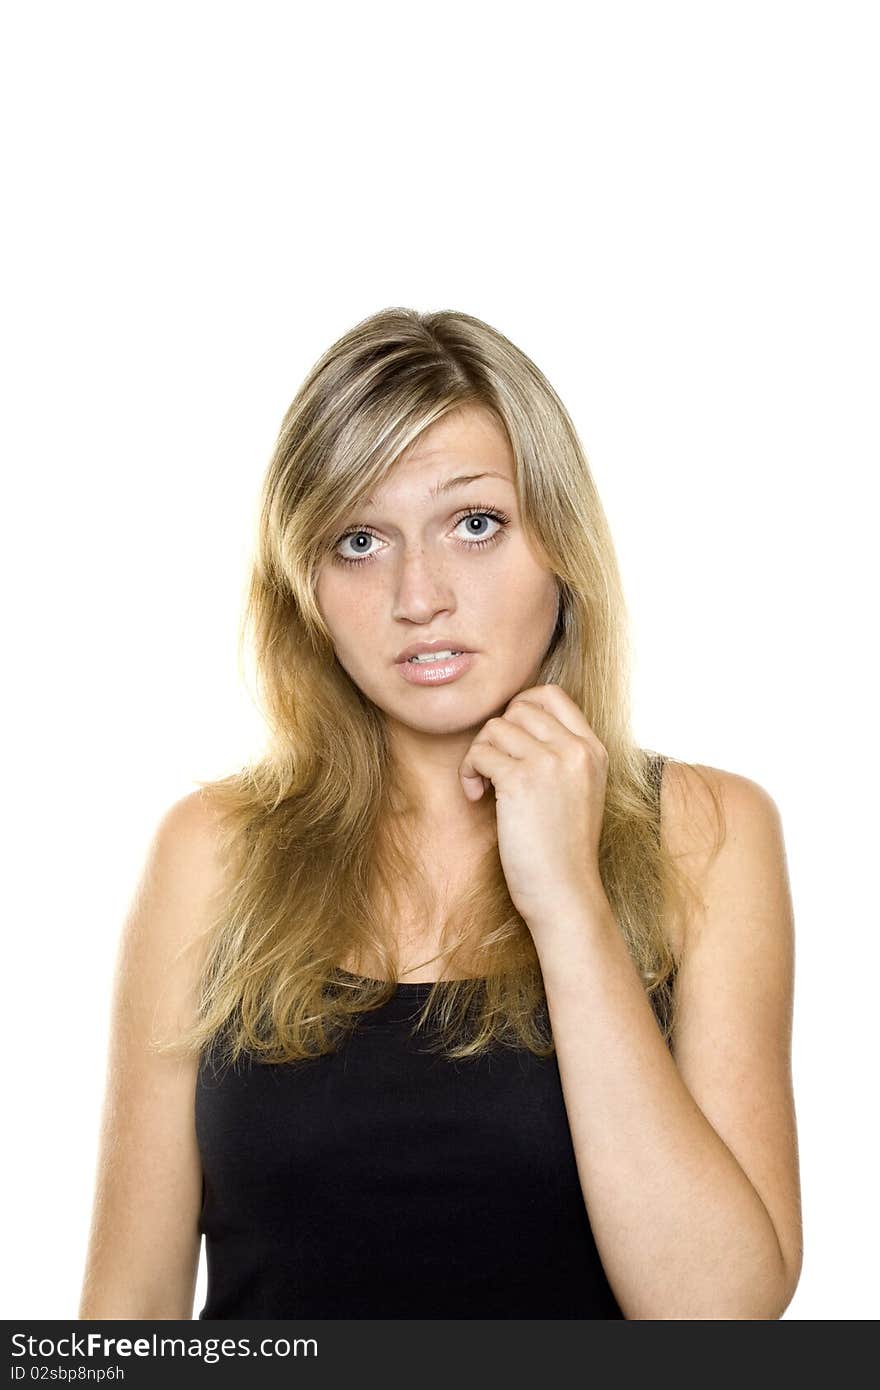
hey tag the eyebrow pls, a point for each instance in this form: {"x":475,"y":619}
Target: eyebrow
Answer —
{"x":459,"y":481}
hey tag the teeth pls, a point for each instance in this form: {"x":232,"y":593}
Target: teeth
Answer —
{"x":435,"y":656}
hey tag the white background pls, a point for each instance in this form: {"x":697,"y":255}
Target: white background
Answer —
{"x":672,"y":208}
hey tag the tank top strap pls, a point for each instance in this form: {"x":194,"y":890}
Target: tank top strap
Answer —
{"x":656,"y":762}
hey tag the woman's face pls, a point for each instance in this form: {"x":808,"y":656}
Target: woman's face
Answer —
{"x":419,"y":568}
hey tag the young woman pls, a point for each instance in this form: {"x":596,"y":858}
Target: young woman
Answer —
{"x":449,"y":1006}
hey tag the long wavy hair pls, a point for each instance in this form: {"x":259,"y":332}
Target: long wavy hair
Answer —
{"x":313,"y":834}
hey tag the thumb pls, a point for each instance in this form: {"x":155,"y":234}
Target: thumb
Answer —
{"x":473,"y":786}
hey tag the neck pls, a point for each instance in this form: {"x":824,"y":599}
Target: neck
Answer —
{"x":427,"y":789}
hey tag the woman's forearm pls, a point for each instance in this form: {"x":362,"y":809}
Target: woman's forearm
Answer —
{"x":681,"y":1231}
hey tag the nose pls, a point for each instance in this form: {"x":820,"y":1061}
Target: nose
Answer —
{"x":422,"y":588}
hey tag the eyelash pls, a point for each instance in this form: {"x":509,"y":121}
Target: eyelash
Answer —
{"x":492,"y":512}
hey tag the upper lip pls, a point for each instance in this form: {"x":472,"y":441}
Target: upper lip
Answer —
{"x":440,"y":644}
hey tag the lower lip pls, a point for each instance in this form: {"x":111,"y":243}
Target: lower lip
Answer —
{"x":435,"y":672}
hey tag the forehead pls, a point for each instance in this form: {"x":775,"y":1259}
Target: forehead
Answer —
{"x":457,"y":448}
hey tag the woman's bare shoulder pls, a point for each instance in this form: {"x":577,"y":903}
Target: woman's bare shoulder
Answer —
{"x":194,"y":817}
{"x":181,"y":880}
{"x":694,"y":799}
{"x":704,"y":812}
{"x":696,"y":805}
{"x":186,"y":840}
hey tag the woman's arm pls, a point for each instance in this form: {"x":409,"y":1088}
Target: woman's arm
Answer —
{"x":144,"y":1242}
{"x":689,"y":1167}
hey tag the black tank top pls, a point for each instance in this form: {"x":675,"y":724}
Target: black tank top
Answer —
{"x":386,"y":1181}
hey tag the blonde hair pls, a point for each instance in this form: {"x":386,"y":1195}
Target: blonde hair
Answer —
{"x":313,"y":834}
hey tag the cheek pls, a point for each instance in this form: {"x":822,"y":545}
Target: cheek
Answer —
{"x":347,"y":613}
{"x":333,"y":609}
{"x":530,"y":599}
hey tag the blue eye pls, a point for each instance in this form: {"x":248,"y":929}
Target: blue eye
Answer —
{"x":492,"y":512}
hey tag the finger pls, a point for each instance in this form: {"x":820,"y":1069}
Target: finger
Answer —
{"x":554,"y":701}
{"x":483,"y":761}
{"x":539,"y":723}
{"x":508,"y":736}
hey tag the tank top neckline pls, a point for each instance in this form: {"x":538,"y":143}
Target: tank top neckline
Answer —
{"x":405,"y":986}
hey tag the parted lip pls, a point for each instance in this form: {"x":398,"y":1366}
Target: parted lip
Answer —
{"x":440,"y":644}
